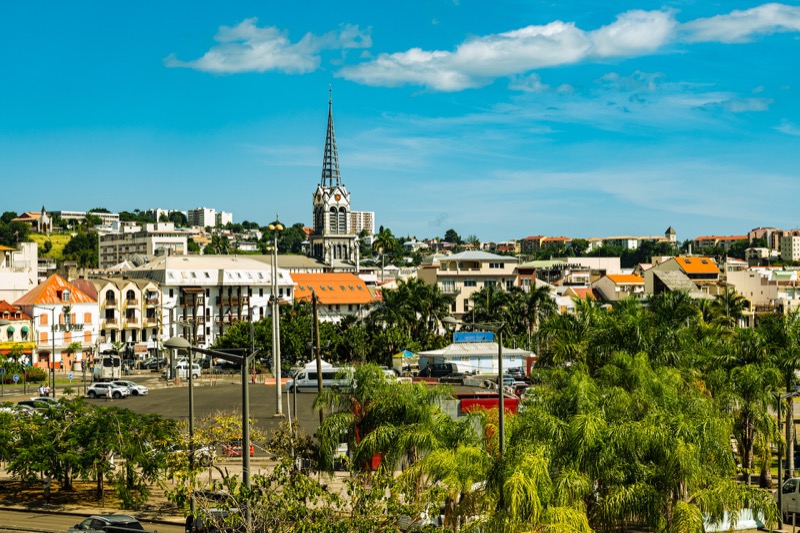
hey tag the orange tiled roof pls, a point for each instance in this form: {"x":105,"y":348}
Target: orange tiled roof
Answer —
{"x":11,"y":312}
{"x":534,"y":238}
{"x":556,"y":239}
{"x":626,"y":278}
{"x":697,"y":265}
{"x":332,"y":288}
{"x":50,"y":291}
{"x":583,"y":293}
{"x":722,"y":238}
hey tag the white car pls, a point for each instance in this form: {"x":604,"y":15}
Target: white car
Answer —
{"x":182,"y":370}
{"x":135,"y":388}
{"x":100,"y":390}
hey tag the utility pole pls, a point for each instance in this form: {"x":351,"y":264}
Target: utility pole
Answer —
{"x":318,"y":349}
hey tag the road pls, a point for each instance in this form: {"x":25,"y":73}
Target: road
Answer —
{"x":55,"y":522}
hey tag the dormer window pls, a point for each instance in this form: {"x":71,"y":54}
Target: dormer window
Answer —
{"x":65,"y":295}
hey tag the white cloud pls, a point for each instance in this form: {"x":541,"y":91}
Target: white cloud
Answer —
{"x":528,"y":84}
{"x":634,"y":33}
{"x":788,"y":128}
{"x":741,"y":26}
{"x":248,"y":48}
{"x":478,"y":61}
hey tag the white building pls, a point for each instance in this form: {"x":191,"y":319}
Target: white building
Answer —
{"x":202,"y":216}
{"x":18,"y":270}
{"x":61,"y":314}
{"x":213,"y":292}
{"x":78,"y":216}
{"x":222,"y":218}
{"x":790,"y":248}
{"x":153,"y":240}
{"x":362,"y":221}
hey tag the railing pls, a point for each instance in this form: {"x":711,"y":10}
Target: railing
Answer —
{"x":110,"y":323}
{"x":110,"y":303}
{"x":225,"y":301}
{"x":151,"y":320}
{"x":131,"y":302}
{"x":152,"y":301}
{"x":131,"y":323}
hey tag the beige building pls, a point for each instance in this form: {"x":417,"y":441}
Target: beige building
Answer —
{"x":153,"y":240}
{"x":790,"y":248}
{"x":465,"y":273}
{"x":616,"y":287}
{"x":18,"y":270}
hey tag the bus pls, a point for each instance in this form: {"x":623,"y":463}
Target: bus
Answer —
{"x":107,"y":367}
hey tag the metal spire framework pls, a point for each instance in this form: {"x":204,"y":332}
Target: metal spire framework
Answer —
{"x":331,"y":176}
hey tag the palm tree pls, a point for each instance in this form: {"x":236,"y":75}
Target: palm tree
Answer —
{"x":729,"y":307}
{"x":385,"y":243}
{"x":539,"y":304}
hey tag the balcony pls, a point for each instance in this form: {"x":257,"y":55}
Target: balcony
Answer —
{"x":131,"y":323}
{"x":152,"y":302}
{"x":450,"y":289}
{"x":151,"y":321}
{"x":232,"y":301}
{"x":110,"y":323}
{"x":110,"y":303}
{"x":131,"y":302}
{"x":226,"y":320}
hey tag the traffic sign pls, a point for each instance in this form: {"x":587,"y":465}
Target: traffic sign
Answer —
{"x":16,"y":378}
{"x":70,"y":376}
{"x":2,"y":371}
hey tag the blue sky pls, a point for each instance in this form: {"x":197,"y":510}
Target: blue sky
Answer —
{"x":501,"y":119}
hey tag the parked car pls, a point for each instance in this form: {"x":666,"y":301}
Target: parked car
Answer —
{"x":153,"y":364}
{"x":226,"y":367}
{"x":112,"y":523}
{"x":39,"y":404}
{"x":234,"y":449}
{"x":135,"y":388}
{"x":100,"y":390}
{"x":455,"y":377}
{"x":438,"y":370}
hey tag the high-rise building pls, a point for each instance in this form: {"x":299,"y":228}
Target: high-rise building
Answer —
{"x":202,"y":216}
{"x":333,"y":239}
{"x":362,"y":221}
{"x":223,"y":218}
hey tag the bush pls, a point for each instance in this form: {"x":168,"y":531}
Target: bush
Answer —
{"x":34,"y":374}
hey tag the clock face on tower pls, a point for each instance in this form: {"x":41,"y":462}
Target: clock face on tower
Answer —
{"x":338,"y":197}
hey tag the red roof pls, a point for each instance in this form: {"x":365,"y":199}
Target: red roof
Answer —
{"x":51,"y":291}
{"x":11,"y":312}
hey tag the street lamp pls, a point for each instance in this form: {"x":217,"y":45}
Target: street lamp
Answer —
{"x":781,"y":397}
{"x":244,"y":362}
{"x":179,"y":343}
{"x":275,"y":228}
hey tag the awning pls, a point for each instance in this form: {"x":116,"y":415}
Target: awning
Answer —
{"x":24,"y":329}
{"x":10,"y":330}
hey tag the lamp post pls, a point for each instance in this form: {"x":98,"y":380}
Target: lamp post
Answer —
{"x":275,"y":228}
{"x":244,"y":362}
{"x":781,"y":397}
{"x":179,"y":343}
{"x":53,"y":355}
{"x":496,"y":327}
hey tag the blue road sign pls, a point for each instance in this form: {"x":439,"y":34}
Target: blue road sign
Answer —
{"x":16,"y":378}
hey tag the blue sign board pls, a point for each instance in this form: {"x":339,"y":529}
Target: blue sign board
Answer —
{"x":473,"y":336}
{"x":2,"y":371}
{"x":16,"y":378}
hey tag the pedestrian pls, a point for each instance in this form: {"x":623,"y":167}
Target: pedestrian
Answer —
{"x":108,"y":393}
{"x":41,"y":390}
{"x":47,"y":390}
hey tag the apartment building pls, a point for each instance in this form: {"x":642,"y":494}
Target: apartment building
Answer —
{"x":107,"y":219}
{"x":223,"y":219}
{"x":616,"y":287}
{"x":722,"y":241}
{"x":201,"y":296}
{"x":362,"y":221}
{"x":151,"y":241}
{"x":465,"y":273}
{"x":19,"y":268}
{"x":202,"y":217}
{"x":790,"y":248}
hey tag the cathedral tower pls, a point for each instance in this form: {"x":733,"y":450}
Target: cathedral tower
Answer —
{"x":333,"y":240}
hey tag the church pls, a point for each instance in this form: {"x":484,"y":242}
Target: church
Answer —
{"x":333,"y":241}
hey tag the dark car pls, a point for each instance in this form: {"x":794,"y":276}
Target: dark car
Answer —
{"x":455,"y":377}
{"x":112,"y":523}
{"x":226,"y":367}
{"x":438,"y":370}
{"x":153,"y":364}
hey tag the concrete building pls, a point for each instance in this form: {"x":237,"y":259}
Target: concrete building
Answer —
{"x":616,"y":287}
{"x":362,"y":221}
{"x":61,"y":314}
{"x":790,"y":248}
{"x":691,"y":274}
{"x":202,"y":217}
{"x":339,"y":294}
{"x":19,"y":269}
{"x":211,"y":292}
{"x":107,"y":219}
{"x":222,"y":219}
{"x":17,"y":334}
{"x":460,"y":275}
{"x":722,"y":241}
{"x":153,"y":240}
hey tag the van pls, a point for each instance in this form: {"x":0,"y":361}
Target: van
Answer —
{"x":306,"y":379}
{"x":438,"y":370}
{"x":182,"y":370}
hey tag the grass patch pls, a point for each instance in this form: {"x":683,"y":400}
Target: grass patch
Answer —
{"x":58,"y":240}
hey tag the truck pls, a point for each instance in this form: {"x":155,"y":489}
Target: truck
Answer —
{"x":107,"y":367}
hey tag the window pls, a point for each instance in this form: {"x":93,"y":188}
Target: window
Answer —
{"x":43,"y":319}
{"x":261,"y":292}
{"x":171,"y":293}
{"x":470,"y":283}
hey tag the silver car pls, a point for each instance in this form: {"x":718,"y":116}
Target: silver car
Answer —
{"x":136,"y":389}
{"x":101,"y":390}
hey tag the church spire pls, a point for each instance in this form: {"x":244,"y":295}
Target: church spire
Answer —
{"x":331,"y":177}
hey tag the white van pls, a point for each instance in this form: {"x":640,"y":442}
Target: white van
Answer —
{"x":306,"y":378}
{"x":182,"y":370}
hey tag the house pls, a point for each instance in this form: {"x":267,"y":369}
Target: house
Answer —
{"x":153,"y":240}
{"x":721,"y":241}
{"x":683,"y":273}
{"x":339,"y":294}
{"x":40,"y":222}
{"x":460,"y":275}
{"x":615,"y":287}
{"x":17,"y":333}
{"x":19,"y":269}
{"x":61,"y":314}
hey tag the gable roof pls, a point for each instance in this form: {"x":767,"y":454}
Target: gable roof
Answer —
{"x":626,"y":279}
{"x":11,"y":312}
{"x":332,"y":288}
{"x":51,"y":291}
